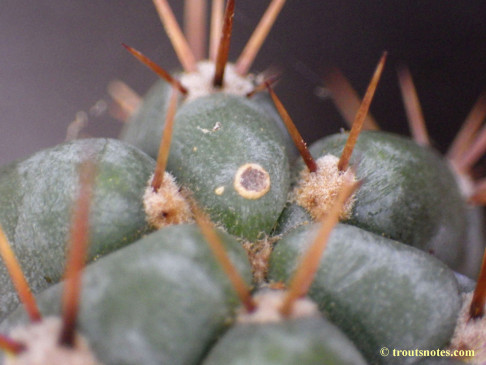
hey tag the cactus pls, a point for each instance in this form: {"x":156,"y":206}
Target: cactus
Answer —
{"x":172,"y":296}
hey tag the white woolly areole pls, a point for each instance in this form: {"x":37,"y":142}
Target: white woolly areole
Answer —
{"x":317,"y":191}
{"x":167,"y":205}
{"x":200,"y":83}
{"x":268,"y":305}
{"x":470,"y":334}
{"x":41,"y":340}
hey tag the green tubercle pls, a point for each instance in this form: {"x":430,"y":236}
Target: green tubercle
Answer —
{"x":231,"y":157}
{"x":304,"y":341}
{"x":162,"y":300}
{"x":408,"y":194}
{"x":37,"y":197}
{"x":378,"y":291}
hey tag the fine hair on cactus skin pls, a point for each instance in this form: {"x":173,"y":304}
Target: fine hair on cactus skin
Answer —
{"x":52,"y":340}
{"x":305,"y":272}
{"x":285,"y":306}
{"x":465,"y":151}
{"x":163,"y":202}
{"x":322,"y":180}
{"x":38,"y":340}
{"x":253,"y":177}
{"x":269,"y":306}
{"x":219,"y":252}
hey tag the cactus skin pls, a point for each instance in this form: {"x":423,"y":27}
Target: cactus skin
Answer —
{"x":265,"y":103}
{"x":409,"y":193}
{"x":144,"y":129}
{"x":203,"y":159}
{"x":115,"y":303}
{"x":162,"y":300}
{"x":305,"y":341}
{"x":474,"y":245}
{"x":37,"y":196}
{"x":378,"y":291}
{"x":292,"y":217}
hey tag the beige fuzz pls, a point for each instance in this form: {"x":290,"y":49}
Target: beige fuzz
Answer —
{"x":317,"y":191}
{"x":268,"y":304}
{"x":259,"y":255}
{"x":200,"y":83}
{"x":470,"y":334}
{"x":166,"y":206}
{"x":41,"y":340}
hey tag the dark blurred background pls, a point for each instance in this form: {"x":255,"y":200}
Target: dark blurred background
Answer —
{"x":57,"y":57}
